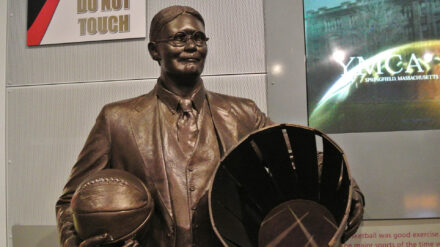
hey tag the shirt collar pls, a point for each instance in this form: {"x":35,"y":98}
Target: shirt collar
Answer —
{"x":172,"y":100}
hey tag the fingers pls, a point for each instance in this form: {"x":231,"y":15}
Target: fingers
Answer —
{"x":72,"y":241}
{"x":348,"y":233}
{"x":95,"y":241}
{"x":355,"y":219}
{"x":131,"y":243}
{"x":357,"y":210}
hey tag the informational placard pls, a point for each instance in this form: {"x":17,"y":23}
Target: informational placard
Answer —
{"x":373,"y":65}
{"x":67,"y":21}
{"x":397,"y":233}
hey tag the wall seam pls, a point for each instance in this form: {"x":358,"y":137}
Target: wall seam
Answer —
{"x":3,"y":178}
{"x":119,"y":80}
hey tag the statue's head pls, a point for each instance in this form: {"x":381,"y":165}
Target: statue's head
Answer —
{"x":178,"y":41}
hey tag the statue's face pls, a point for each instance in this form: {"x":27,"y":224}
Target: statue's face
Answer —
{"x":187,"y":60}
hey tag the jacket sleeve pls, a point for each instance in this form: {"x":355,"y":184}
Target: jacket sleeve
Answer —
{"x":93,"y":157}
{"x":261,"y":120}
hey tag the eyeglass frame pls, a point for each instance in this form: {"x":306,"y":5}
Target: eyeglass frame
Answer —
{"x":188,"y":36}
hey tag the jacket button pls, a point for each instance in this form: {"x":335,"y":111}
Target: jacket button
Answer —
{"x":192,"y":188}
{"x":169,"y":234}
{"x":196,"y":226}
{"x":190,"y":169}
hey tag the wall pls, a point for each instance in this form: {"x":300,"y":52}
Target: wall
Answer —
{"x":55,"y":92}
{"x":285,"y":60}
{"x":3,"y":21}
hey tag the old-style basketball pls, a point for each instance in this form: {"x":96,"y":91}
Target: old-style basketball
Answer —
{"x":111,"y":201}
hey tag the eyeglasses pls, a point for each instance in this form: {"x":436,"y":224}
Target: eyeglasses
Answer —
{"x":180,"y":39}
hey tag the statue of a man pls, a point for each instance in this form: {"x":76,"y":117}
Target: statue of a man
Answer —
{"x":171,"y":138}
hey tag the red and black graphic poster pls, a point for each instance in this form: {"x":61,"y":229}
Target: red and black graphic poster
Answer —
{"x":67,"y":21}
{"x":40,"y":13}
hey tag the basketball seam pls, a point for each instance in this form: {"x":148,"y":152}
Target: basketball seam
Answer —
{"x":114,"y":211}
{"x":110,"y":180}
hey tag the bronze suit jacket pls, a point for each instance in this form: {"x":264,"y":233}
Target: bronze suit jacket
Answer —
{"x":127,"y":136}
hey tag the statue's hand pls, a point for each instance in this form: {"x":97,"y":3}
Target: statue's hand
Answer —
{"x":131,"y":243}
{"x":95,"y":240}
{"x":355,"y":216}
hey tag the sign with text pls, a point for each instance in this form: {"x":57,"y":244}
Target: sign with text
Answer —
{"x":373,"y":65}
{"x":67,"y":21}
{"x":397,"y":234}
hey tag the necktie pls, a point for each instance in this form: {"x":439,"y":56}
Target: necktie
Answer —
{"x":187,"y":127}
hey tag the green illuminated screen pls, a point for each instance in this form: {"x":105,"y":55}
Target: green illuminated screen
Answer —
{"x":373,"y":65}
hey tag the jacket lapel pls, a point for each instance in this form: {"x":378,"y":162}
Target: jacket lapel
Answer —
{"x":224,"y":121}
{"x":145,"y":124}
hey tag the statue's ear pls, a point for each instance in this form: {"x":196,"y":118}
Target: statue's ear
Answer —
{"x":152,"y":48}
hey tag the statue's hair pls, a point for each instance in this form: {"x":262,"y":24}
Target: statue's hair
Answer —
{"x":168,"y":14}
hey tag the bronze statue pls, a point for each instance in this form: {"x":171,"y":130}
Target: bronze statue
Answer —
{"x":171,"y":138}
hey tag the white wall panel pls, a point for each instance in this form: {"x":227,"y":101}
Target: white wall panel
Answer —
{"x":236,"y":29}
{"x":3,"y":28}
{"x":49,"y":124}
{"x":76,"y":62}
{"x":397,"y":171}
{"x":247,"y":86}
